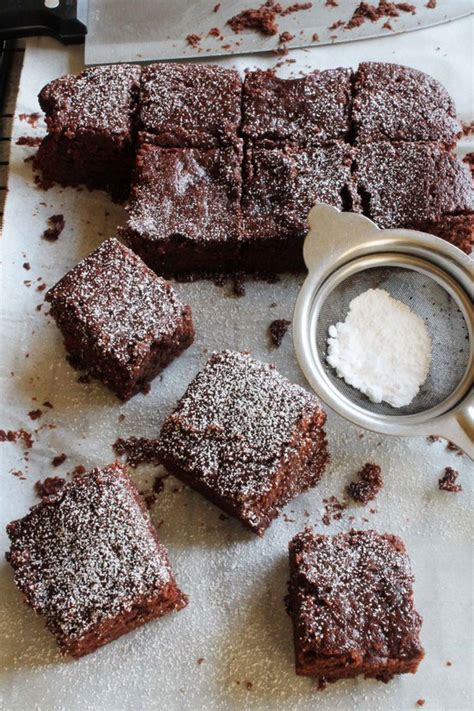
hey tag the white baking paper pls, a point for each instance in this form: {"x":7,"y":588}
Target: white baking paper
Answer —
{"x":236,"y":621}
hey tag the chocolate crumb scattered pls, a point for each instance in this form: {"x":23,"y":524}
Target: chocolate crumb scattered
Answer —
{"x":158,"y":484}
{"x":369,"y":483}
{"x":364,"y":11}
{"x":200,"y":660}
{"x":336,"y":25}
{"x":15,"y":435}
{"x":49,"y":486}
{"x":32,"y":119}
{"x":28,"y":141}
{"x":420,"y":702}
{"x":261,"y":19}
{"x":214,"y":32}
{"x":277,"y":330}
{"x":315,"y":37}
{"x":217,"y":7}
{"x":35,"y":414}
{"x":47,"y":403}
{"x":451,"y":447}
{"x":56,"y":225}
{"x":449,"y":664}
{"x":58,"y":460}
{"x":193,"y":40}
{"x":433,"y":438}
{"x":26,"y":265}
{"x":249,"y":685}
{"x":136,"y":450}
{"x":468,"y":128}
{"x":333,"y":509}
{"x":296,"y":7}
{"x":78,"y":470}
{"x":18,"y":474}
{"x":447,"y":482}
{"x":286,"y":37}
{"x":431,"y":4}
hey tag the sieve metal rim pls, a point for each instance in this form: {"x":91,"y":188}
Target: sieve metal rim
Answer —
{"x":335,"y":240}
{"x":387,"y":259}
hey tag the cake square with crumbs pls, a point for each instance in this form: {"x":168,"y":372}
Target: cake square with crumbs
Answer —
{"x":184,"y":209}
{"x":397,"y":103}
{"x":351,"y":602}
{"x":281,"y":183}
{"x":89,"y":561}
{"x":91,"y":128}
{"x":120,"y":322}
{"x":245,"y":437}
{"x":307,"y":110}
{"x":412,"y":185}
{"x":190,"y":105}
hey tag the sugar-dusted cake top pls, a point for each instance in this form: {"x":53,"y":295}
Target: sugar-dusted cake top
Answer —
{"x":307,"y":110}
{"x":236,"y":424}
{"x":100,"y":99}
{"x":88,"y":553}
{"x":354,"y":593}
{"x":397,"y":103}
{"x":190,"y":104}
{"x":118,"y":302}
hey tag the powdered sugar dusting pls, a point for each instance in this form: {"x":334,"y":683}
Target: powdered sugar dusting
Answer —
{"x":100,"y":99}
{"x":354,"y":593}
{"x":118,"y":301}
{"x":235,"y":424}
{"x":88,"y":553}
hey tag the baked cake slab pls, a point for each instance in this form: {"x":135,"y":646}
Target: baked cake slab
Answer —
{"x":88,"y":560}
{"x":246,"y":438}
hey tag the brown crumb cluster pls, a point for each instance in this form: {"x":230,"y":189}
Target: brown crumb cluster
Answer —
{"x":56,"y":225}
{"x":193,"y":40}
{"x":17,"y":435}
{"x":447,"y":482}
{"x":49,"y":486}
{"x":364,"y":11}
{"x":368,"y":485}
{"x":333,"y":510}
{"x":59,"y":459}
{"x":263,"y":19}
{"x":277,"y":330}
{"x":136,"y":450}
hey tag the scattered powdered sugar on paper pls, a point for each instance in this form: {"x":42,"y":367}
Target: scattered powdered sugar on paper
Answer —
{"x":382,"y":348}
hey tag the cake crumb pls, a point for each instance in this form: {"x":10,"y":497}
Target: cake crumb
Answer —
{"x":31,"y":119}
{"x":451,"y":447}
{"x":261,"y":19}
{"x":201,"y":660}
{"x":420,"y":702}
{"x":431,"y":4}
{"x":56,"y":225}
{"x":193,"y":40}
{"x":447,"y":482}
{"x":136,"y":450}
{"x":277,"y":330}
{"x":35,"y":414}
{"x":59,"y":459}
{"x":333,"y":509}
{"x":369,"y":483}
{"x":49,"y":486}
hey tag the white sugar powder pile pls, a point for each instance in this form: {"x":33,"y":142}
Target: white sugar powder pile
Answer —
{"x":383,"y":349}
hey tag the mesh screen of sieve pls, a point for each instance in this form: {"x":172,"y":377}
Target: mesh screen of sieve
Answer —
{"x":444,"y":319}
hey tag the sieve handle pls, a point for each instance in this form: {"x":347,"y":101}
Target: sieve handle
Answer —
{"x":458,"y":426}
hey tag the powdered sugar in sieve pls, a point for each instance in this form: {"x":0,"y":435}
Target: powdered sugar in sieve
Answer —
{"x":444,"y":322}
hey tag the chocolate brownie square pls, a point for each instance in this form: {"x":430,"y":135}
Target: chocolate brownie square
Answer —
{"x":351,"y":601}
{"x":397,"y":103}
{"x":307,"y":111}
{"x":190,"y":105}
{"x":120,"y":322}
{"x":411,"y":184}
{"x":282,"y":182}
{"x":90,"y":562}
{"x":246,"y":438}
{"x":90,"y":119}
{"x":184,"y":209}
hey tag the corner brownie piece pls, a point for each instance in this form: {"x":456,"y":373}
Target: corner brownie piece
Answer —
{"x":246,"y":438}
{"x":411,"y":184}
{"x":119,"y":320}
{"x":90,"y":119}
{"x":307,"y":111}
{"x":351,"y":601}
{"x":282,"y":182}
{"x":184,"y":209}
{"x":190,"y":105}
{"x":89,"y":561}
{"x":397,"y":103}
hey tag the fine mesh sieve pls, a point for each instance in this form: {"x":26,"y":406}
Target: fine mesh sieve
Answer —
{"x":346,"y":254}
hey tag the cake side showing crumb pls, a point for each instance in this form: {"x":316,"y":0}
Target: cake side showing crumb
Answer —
{"x":351,"y":601}
{"x":92,"y":543}
{"x":245,"y":437}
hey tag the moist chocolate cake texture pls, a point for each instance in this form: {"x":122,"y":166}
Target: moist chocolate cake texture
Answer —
{"x":225,"y":172}
{"x":89,"y":561}
{"x":351,"y":602}
{"x":246,"y":438}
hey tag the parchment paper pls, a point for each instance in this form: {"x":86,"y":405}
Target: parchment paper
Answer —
{"x":236,"y":621}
